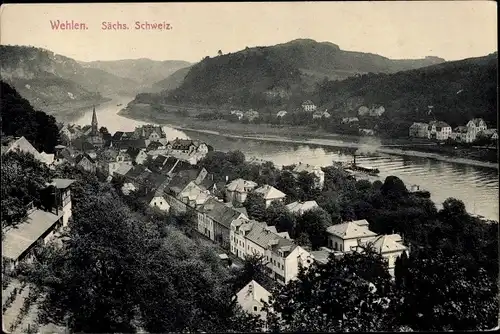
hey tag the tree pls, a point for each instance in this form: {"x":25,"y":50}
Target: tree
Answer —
{"x":23,"y":179}
{"x":314,"y":223}
{"x":219,"y":53}
{"x":254,"y":268}
{"x":352,"y":293}
{"x":394,"y":187}
{"x":103,"y":130}
{"x":278,"y":215}
{"x":256,"y":206}
{"x":443,"y":292}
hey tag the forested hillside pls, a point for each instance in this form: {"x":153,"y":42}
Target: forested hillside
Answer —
{"x":260,"y":76}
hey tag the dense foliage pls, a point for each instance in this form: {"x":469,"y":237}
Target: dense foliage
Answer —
{"x":18,"y":119}
{"x":275,"y":75}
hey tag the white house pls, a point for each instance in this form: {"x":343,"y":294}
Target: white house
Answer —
{"x":281,"y":113}
{"x":463,"y":134}
{"x":23,"y":145}
{"x":344,"y":237}
{"x":439,"y":130}
{"x":389,"y":246}
{"x":270,"y":194}
{"x":283,"y":257}
{"x":237,"y":190}
{"x":308,"y":106}
{"x":476,"y":125}
{"x":251,"y":298}
{"x":315,"y":170}
{"x":299,"y":208}
{"x":321,"y":114}
{"x":63,"y":197}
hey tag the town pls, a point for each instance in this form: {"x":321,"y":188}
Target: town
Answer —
{"x":173,"y":177}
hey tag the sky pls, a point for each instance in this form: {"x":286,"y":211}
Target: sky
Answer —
{"x":399,"y":30}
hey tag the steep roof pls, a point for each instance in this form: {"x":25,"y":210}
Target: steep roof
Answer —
{"x":477,"y":121}
{"x":253,"y":291}
{"x":269,"y":192}
{"x":154,"y":145}
{"x":351,"y":230}
{"x":135,"y":171}
{"x":438,"y":124}
{"x":182,"y":179}
{"x":262,"y":235}
{"x":82,"y":156}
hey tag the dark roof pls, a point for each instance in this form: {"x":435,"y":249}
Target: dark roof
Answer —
{"x":154,"y":145}
{"x":207,"y":182}
{"x":169,"y":163}
{"x":133,"y":152}
{"x":182,"y":166}
{"x":118,"y":135}
{"x":80,"y":157}
{"x":82,"y":144}
{"x":220,"y":212}
{"x":127,"y":143}
{"x":136,"y":171}
{"x":181,"y":180}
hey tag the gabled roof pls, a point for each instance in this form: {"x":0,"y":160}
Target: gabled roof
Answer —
{"x":82,"y":156}
{"x":351,"y":230}
{"x":135,"y":171}
{"x":418,"y":125}
{"x":297,"y":207}
{"x":240,"y":185}
{"x":269,"y":192}
{"x":154,"y":145}
{"x":19,"y":239}
{"x":253,"y":291}
{"x":219,"y":212}
{"x":123,"y":170}
{"x":182,"y":179}
{"x":477,"y":121}
{"x":386,"y":243}
{"x":438,"y":124}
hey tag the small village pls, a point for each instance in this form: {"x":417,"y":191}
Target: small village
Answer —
{"x":167,"y":175}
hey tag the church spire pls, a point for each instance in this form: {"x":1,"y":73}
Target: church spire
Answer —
{"x":95,"y":128}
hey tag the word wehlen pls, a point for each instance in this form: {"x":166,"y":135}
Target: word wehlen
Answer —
{"x":108,"y":25}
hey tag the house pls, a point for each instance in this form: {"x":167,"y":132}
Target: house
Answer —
{"x":178,"y":184}
{"x":367,"y":132}
{"x":315,"y":170}
{"x":281,"y":113}
{"x":343,"y":237}
{"x":252,"y":297}
{"x":109,"y":160}
{"x":138,"y":155}
{"x":270,"y":194}
{"x":214,"y":221}
{"x":154,"y":145}
{"x":491,"y":134}
{"x":282,"y":255}
{"x":188,"y":146}
{"x":21,"y":243}
{"x":153,"y":133}
{"x":476,"y":125}
{"x":65,"y":154}
{"x":238,"y":113}
{"x":322,"y":256}
{"x":21,"y":144}
{"x":251,"y":115}
{"x":70,"y":132}
{"x":130,"y":143}
{"x":419,"y":130}
{"x":299,"y":208}
{"x":194,"y":195}
{"x":321,"y":114}
{"x":350,"y":120}
{"x":63,"y":197}
{"x":375,"y":111}
{"x":156,"y":198}
{"x":237,"y":190}
{"x":389,"y":246}
{"x":85,"y":162}
{"x":308,"y":106}
{"x":438,"y":130}
{"x":463,"y":134}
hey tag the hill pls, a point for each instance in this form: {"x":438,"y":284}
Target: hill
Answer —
{"x":260,"y":76}
{"x":47,"y":79}
{"x":457,"y":90}
{"x":144,"y":71}
{"x":172,"y":81}
{"x":19,"y":118}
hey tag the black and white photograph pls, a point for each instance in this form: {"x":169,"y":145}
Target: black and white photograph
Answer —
{"x":249,"y":167}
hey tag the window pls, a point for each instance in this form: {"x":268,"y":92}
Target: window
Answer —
{"x":255,"y":308}
{"x":336,"y":245}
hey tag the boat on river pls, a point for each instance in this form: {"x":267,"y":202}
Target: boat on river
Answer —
{"x":119,"y":104}
{"x":358,"y":168}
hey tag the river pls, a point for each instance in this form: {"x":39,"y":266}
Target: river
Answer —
{"x":476,"y":186}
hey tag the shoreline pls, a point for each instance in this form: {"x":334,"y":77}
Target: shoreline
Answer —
{"x":320,"y":142}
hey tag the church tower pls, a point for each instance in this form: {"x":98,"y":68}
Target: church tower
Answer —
{"x":95,"y":128}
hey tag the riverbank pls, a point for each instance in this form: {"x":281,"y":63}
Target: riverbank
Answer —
{"x":301,"y":135}
{"x":71,"y":111}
